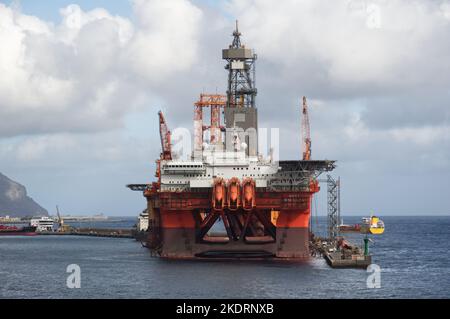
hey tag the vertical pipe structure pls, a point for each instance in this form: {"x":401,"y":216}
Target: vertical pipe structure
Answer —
{"x":338,"y":231}
{"x":215,"y":102}
{"x":198,"y":131}
{"x":215,"y":125}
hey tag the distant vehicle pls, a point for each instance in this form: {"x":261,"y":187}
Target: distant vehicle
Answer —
{"x":16,"y":231}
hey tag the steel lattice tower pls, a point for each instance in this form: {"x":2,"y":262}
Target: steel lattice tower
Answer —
{"x":333,"y":197}
{"x":241,"y":116}
{"x":241,"y":90}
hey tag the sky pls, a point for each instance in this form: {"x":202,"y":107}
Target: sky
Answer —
{"x":81,"y":83}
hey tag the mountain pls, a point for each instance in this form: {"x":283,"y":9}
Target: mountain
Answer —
{"x":15,"y":202}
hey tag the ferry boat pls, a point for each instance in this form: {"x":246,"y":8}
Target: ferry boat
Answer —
{"x":43,"y":224}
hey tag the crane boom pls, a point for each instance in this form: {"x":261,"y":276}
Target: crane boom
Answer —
{"x":57,"y":213}
{"x":60,"y":220}
{"x":165,"y":138}
{"x":306,"y":132}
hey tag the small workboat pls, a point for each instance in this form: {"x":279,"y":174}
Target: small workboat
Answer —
{"x":372,"y":225}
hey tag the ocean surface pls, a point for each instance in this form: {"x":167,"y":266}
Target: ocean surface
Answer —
{"x":413,"y":255}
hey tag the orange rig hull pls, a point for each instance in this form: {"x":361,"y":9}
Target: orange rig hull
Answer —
{"x":276,"y":227}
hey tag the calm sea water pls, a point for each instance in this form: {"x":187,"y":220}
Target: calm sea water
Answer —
{"x":413,"y":255}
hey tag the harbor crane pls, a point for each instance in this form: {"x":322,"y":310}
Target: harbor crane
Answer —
{"x":62,"y":228}
{"x":306,"y":132}
{"x":60,"y":220}
{"x":165,"y":138}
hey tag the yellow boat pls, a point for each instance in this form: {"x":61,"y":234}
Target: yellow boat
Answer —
{"x":372,"y":225}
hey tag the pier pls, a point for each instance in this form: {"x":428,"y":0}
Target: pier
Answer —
{"x":93,"y":232}
{"x":339,"y":260}
{"x":337,"y":255}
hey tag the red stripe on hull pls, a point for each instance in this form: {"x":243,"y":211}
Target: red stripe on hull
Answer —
{"x":18,"y":234}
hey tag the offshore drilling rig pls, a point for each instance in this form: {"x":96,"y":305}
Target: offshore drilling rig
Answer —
{"x":263,"y":205}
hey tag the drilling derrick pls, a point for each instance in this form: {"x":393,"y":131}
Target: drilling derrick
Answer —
{"x":241,"y":90}
{"x":241,"y":113}
{"x":262,"y":206}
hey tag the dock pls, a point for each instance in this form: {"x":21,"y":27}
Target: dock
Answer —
{"x":347,"y":256}
{"x":93,"y":232}
{"x":339,"y":260}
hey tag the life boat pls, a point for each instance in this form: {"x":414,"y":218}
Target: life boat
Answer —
{"x":248,"y":194}
{"x":233,"y":194}
{"x":218,"y":194}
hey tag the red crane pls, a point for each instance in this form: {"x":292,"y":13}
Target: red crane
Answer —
{"x":165,"y":138}
{"x":306,"y":132}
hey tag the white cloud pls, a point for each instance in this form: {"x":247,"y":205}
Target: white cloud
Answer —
{"x":340,"y":39}
{"x":166,"y":39}
{"x":74,"y":19}
{"x":423,"y":136}
{"x":80,"y":151}
{"x":92,"y":68}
